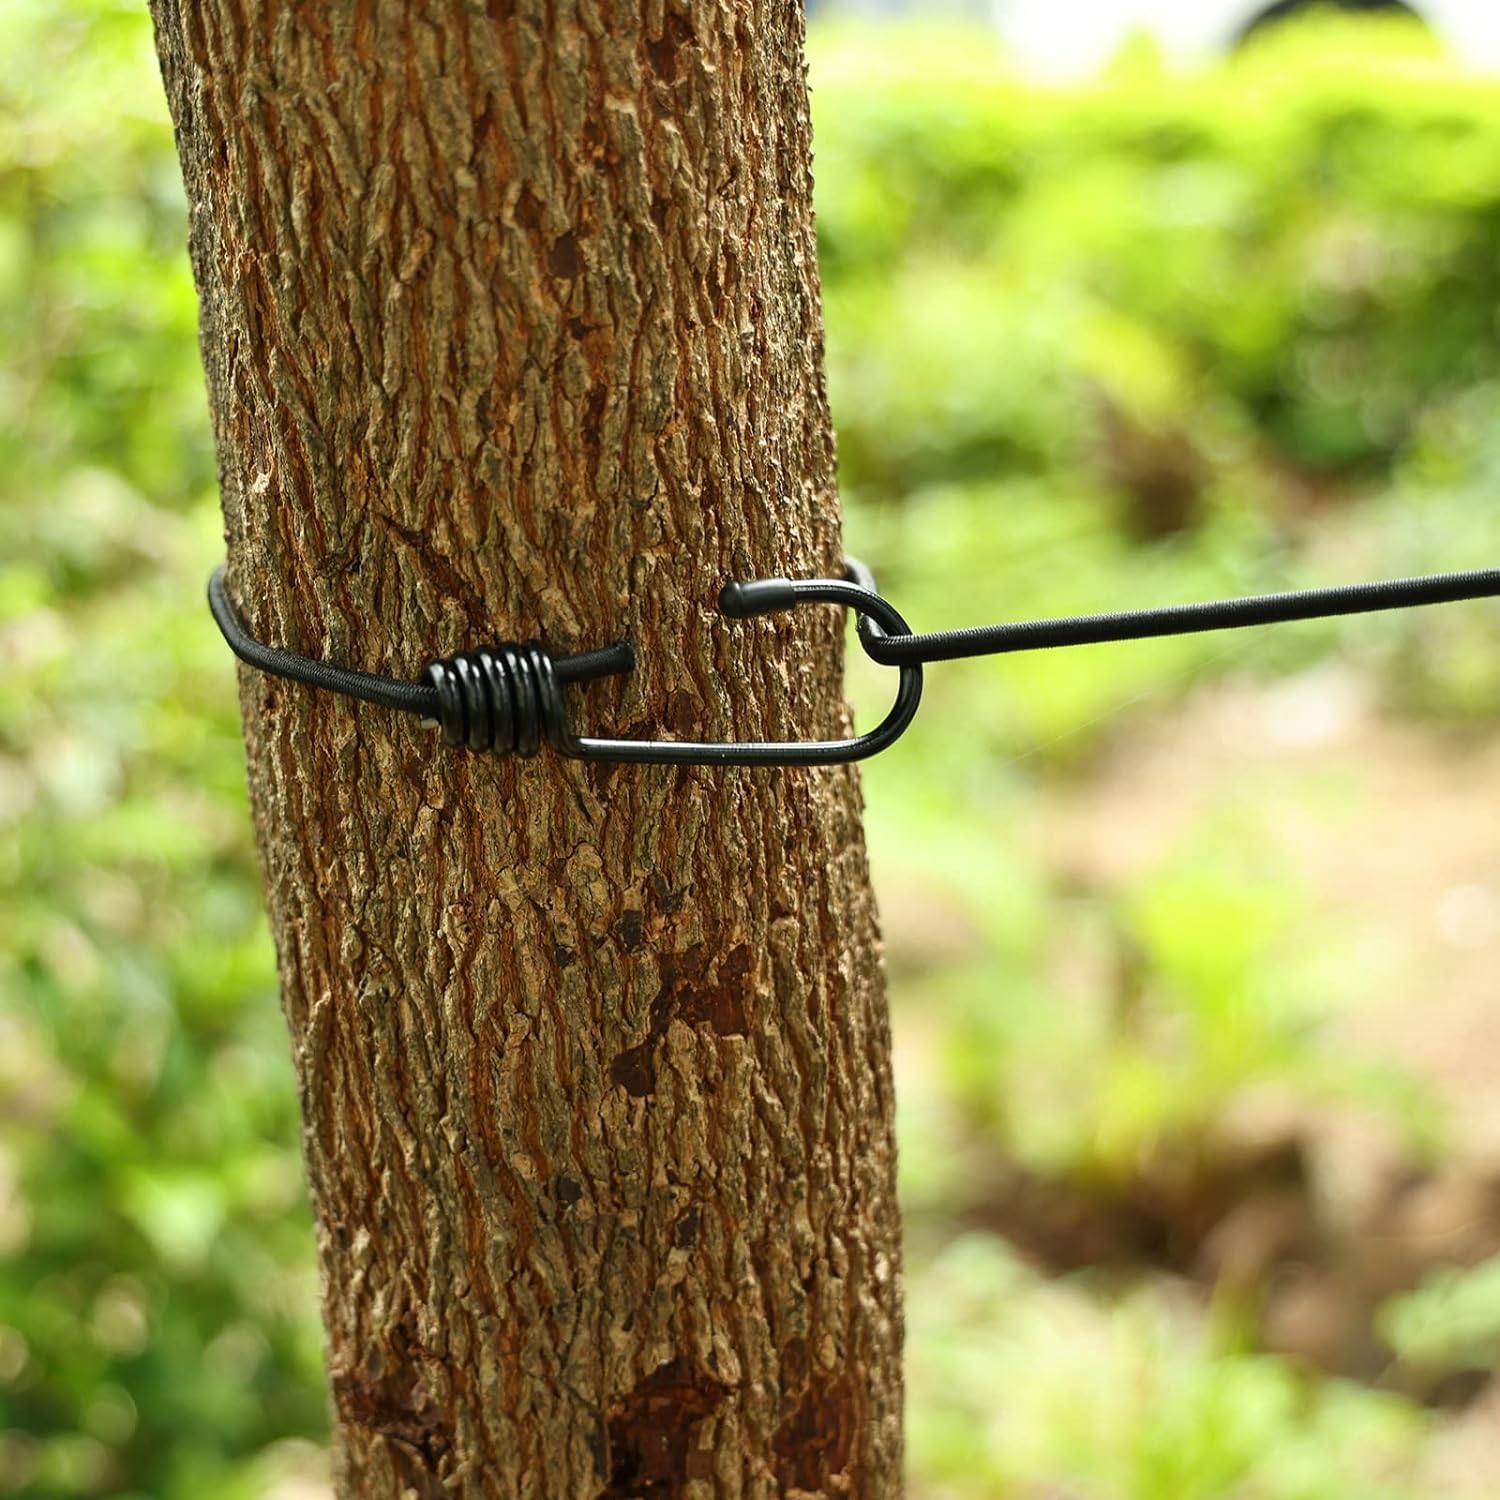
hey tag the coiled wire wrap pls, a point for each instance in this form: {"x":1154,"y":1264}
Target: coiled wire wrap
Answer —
{"x":502,"y":698}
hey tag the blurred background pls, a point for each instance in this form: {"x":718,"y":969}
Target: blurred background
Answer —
{"x":1193,"y":944}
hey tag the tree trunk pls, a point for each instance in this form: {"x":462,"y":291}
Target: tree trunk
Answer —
{"x":511,"y":327}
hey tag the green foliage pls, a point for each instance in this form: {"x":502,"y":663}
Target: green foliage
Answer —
{"x":1297,"y":250}
{"x":1451,"y":1321}
{"x":156,"y":1297}
{"x":1046,"y":1390}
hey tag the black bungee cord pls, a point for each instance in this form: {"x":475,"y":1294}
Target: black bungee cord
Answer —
{"x":1185,"y":619}
{"x":508,"y":698}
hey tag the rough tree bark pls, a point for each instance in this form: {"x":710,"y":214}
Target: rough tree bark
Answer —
{"x":511,"y":326}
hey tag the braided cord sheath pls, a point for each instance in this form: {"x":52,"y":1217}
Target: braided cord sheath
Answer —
{"x":1180,"y":619}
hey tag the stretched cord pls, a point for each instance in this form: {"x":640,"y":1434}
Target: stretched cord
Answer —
{"x":1177,"y":619}
{"x":506,"y":697}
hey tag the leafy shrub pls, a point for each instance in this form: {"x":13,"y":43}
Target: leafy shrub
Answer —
{"x":1298,"y":252}
{"x":1452,"y":1319}
{"x":1041,"y":1390}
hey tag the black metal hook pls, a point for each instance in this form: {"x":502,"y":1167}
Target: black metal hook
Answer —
{"x":744,"y":600}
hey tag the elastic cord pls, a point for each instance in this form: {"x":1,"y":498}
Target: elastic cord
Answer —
{"x":1178,"y":619}
{"x":505,"y":698}
{"x":389,"y":692}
